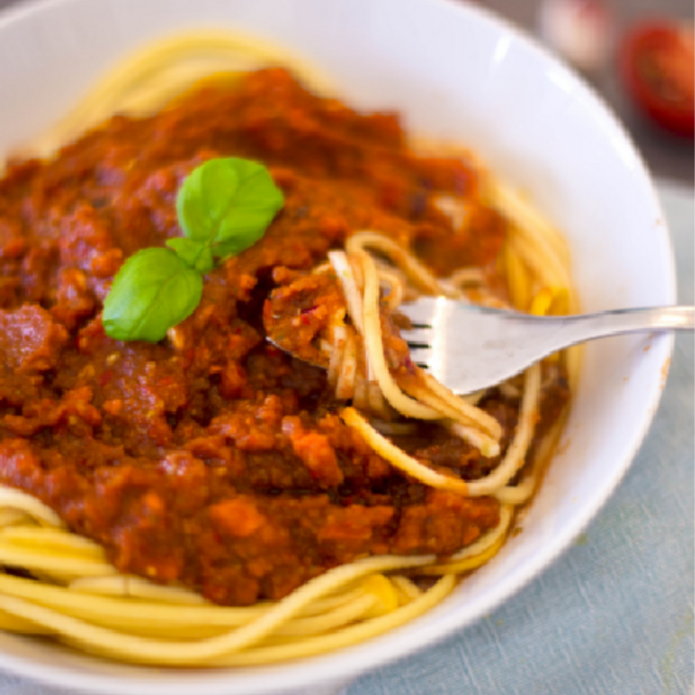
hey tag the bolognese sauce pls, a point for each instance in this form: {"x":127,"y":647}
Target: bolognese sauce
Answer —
{"x":213,"y":459}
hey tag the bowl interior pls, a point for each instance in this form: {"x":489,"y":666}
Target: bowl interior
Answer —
{"x":457,"y":73}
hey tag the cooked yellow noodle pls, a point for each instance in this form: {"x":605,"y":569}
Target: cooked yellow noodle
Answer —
{"x":408,"y":588}
{"x":488,"y":446}
{"x":532,"y":226}
{"x":13,"y":517}
{"x":420,"y":276}
{"x":515,"y":456}
{"x":517,"y":494}
{"x":476,"y":416}
{"x":398,"y":458}
{"x":375,"y":348}
{"x":347,"y":636}
{"x":59,"y":539}
{"x":517,"y":279}
{"x":454,"y":568}
{"x":22,"y":502}
{"x":143,"y":650}
{"x":135,"y":587}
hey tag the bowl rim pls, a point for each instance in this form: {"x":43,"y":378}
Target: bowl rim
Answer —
{"x":348,"y":663}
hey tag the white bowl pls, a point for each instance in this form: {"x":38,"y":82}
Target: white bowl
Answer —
{"x":457,"y":72}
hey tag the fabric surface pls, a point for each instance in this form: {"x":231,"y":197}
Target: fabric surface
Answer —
{"x":614,"y":615}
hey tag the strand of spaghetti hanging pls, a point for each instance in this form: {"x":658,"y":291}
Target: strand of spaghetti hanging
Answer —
{"x":224,"y":206}
{"x":412,"y":393}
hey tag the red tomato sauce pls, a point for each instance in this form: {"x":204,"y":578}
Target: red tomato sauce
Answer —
{"x":212,"y":459}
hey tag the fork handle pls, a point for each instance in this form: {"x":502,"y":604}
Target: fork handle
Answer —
{"x":578,"y":329}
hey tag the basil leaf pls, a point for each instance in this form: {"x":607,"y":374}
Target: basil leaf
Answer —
{"x":154,"y":290}
{"x":195,"y":253}
{"x":224,"y":206}
{"x":228,"y":203}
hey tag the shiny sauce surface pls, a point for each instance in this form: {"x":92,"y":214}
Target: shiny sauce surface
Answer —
{"x":212,"y":459}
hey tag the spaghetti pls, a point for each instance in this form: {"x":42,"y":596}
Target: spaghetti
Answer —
{"x":71,"y":569}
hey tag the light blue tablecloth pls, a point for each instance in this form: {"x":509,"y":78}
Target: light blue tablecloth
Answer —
{"x":614,"y":616}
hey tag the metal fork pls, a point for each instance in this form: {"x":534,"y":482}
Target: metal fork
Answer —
{"x":468,"y":347}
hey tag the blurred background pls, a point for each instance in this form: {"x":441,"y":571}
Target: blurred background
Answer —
{"x":638,"y":54}
{"x":595,"y":35}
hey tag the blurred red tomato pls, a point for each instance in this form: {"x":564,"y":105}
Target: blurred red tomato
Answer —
{"x":658,"y":67}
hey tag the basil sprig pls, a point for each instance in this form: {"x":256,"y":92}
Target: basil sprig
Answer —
{"x":224,"y":206}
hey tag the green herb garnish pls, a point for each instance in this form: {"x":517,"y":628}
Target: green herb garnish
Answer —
{"x":223,"y":207}
{"x":154,"y":290}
